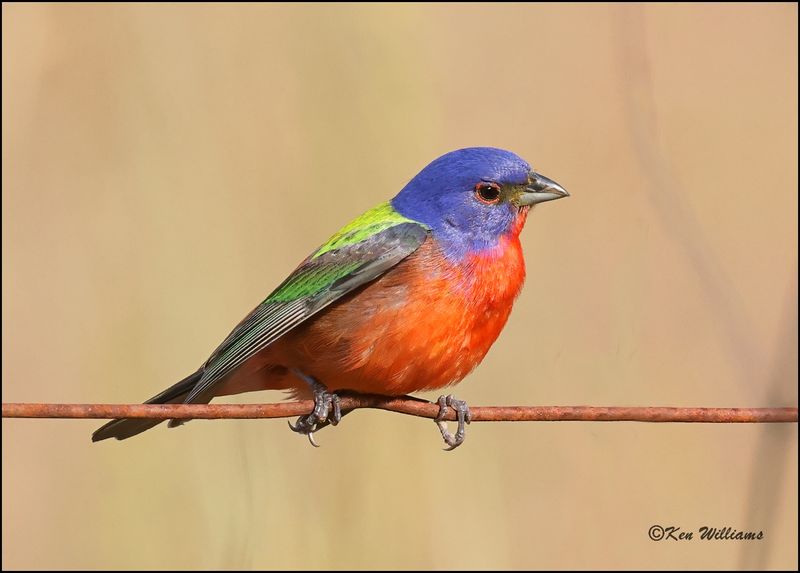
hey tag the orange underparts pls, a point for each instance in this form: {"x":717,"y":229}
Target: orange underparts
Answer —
{"x":423,"y":325}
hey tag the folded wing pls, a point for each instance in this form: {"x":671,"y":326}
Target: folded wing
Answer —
{"x":324,"y":277}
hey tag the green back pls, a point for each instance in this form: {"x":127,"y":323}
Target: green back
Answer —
{"x":313,"y":279}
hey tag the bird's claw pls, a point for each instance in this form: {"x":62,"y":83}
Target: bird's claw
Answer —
{"x":327,"y":410}
{"x":463,"y":415}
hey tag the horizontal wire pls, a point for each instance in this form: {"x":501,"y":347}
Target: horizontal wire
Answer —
{"x":412,"y":407}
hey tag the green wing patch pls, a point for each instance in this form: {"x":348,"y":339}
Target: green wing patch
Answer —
{"x":311,"y":281}
{"x":314,"y":279}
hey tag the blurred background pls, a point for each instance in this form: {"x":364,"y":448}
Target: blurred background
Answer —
{"x":165,"y":167}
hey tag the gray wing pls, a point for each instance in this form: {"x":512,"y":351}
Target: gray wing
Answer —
{"x":315,"y":284}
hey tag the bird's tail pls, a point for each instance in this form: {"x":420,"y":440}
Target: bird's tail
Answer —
{"x":123,"y":428}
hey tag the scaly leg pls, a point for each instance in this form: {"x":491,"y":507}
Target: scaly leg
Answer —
{"x":327,"y":409}
{"x":462,"y":410}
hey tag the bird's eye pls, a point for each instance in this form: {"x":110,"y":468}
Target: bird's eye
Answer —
{"x":488,"y":193}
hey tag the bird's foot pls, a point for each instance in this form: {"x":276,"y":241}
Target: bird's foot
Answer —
{"x":463,"y":415}
{"x":327,"y":410}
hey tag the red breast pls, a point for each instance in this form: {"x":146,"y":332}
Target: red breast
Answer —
{"x":425,"y":324}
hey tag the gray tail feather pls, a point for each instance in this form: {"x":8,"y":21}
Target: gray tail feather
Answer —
{"x":123,"y":428}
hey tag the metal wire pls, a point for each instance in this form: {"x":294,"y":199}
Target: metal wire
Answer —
{"x":407,"y":406}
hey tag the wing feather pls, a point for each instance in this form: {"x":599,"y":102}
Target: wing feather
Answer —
{"x":319,"y":281}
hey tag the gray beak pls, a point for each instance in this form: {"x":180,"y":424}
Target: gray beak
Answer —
{"x":540,"y":189}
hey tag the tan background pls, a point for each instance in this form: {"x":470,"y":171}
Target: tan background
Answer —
{"x":164,"y":167}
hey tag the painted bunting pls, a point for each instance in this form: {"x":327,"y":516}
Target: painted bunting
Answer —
{"x":409,"y":296}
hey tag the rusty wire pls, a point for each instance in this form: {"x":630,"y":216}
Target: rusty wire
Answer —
{"x":412,"y":407}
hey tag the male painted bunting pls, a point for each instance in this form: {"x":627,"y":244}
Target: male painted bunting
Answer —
{"x":407,"y":297}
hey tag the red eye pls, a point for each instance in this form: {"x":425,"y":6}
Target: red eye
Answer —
{"x":488,"y":193}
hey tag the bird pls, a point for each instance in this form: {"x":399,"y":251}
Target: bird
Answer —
{"x":407,"y":297}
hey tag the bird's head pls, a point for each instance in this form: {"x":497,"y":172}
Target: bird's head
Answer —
{"x":473,"y":197}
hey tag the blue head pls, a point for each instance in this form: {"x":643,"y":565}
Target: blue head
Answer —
{"x":472,"y":197}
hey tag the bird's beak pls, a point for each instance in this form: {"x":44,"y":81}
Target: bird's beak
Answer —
{"x":539,"y":190}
